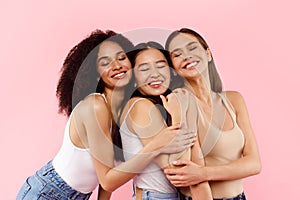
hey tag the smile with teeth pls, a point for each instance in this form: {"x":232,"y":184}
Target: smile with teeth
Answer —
{"x":119,"y":75}
{"x":155,"y":83}
{"x":192,"y":64}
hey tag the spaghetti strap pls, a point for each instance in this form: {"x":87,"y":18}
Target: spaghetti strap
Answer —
{"x":131,"y":106}
{"x":228,"y":105}
{"x":98,"y":94}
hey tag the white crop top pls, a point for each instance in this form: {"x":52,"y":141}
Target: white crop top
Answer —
{"x":152,"y":177}
{"x":75,"y":165}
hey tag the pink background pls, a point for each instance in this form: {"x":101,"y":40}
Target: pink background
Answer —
{"x":255,"y":45}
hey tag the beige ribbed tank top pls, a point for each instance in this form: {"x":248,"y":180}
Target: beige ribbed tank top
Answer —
{"x":221,"y":147}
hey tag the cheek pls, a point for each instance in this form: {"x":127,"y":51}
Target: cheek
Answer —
{"x":127,"y":64}
{"x":176,"y":62}
{"x":103,"y":73}
{"x":139,"y":78}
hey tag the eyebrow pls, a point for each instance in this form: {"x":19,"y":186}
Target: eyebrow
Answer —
{"x":143,"y":64}
{"x":156,"y":62}
{"x":159,"y":61}
{"x":105,"y":57}
{"x":189,"y":44}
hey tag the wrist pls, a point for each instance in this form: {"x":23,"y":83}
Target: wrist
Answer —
{"x":207,"y":173}
{"x":151,"y":149}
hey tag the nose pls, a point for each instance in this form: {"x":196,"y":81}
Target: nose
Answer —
{"x":116,"y":65}
{"x":186,"y":55}
{"x":154,"y":72}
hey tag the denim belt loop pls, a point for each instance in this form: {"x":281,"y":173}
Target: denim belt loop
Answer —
{"x":47,"y":168}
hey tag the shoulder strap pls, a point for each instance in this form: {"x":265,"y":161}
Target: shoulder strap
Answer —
{"x":228,"y":105}
{"x":131,"y":106}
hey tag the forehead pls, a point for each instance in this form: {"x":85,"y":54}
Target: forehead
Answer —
{"x":181,"y":40}
{"x":149,"y":55}
{"x":107,"y":48}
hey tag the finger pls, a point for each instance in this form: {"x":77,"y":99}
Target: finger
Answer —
{"x":186,"y":132}
{"x":184,"y":141}
{"x":176,"y":127}
{"x":188,"y":143}
{"x":170,"y":171}
{"x":179,"y":184}
{"x":180,"y":162}
{"x":174,"y":178}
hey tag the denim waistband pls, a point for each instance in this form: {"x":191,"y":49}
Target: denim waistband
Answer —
{"x":155,"y":195}
{"x":238,"y":197}
{"x":48,"y":173}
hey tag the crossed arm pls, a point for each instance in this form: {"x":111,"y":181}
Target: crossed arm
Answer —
{"x":249,"y":164}
{"x":94,"y":115}
{"x":145,"y":116}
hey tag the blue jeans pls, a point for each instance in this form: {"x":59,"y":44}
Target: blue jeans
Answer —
{"x":147,"y":195}
{"x":46,"y":184}
{"x":238,"y":197}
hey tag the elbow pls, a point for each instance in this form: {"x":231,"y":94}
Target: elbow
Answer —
{"x":108,"y":187}
{"x":256,"y":169}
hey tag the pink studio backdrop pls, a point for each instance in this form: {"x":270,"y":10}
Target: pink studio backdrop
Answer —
{"x":255,"y":45}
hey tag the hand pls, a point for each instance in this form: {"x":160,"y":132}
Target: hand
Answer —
{"x":183,"y":97}
{"x":173,"y":139}
{"x":176,"y":104}
{"x":187,"y":174}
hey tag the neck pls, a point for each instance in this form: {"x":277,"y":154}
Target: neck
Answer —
{"x":114,"y":98}
{"x":200,"y":87}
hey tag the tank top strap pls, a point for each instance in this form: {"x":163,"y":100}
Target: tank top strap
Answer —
{"x":101,"y":94}
{"x":131,"y":106}
{"x":228,"y":105}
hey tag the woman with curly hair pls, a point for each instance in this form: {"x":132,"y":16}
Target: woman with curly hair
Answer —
{"x":94,"y":73}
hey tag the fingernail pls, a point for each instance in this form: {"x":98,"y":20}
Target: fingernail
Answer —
{"x":174,"y":162}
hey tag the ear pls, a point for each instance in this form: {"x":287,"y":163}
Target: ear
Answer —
{"x":208,"y":52}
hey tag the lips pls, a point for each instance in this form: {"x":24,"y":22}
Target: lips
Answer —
{"x":156,"y":83}
{"x":190,"y":65}
{"x":119,"y":75}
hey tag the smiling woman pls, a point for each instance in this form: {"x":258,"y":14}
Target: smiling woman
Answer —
{"x":152,"y":72}
{"x":143,"y":117}
{"x":94,"y":69}
{"x":118,"y":76}
{"x":227,"y":139}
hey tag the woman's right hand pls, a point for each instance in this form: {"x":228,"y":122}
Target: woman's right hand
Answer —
{"x":176,"y":104}
{"x":174,"y":139}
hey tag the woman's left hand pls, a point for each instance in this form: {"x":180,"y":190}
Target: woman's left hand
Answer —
{"x":185,"y":174}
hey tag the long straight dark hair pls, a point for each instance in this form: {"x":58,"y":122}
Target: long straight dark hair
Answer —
{"x":131,"y":92}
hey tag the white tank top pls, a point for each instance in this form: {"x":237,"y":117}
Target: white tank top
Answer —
{"x":75,"y":165}
{"x":152,"y":177}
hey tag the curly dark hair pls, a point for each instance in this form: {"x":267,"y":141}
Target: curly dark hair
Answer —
{"x":79,"y":71}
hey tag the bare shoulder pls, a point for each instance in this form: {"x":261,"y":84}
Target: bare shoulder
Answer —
{"x":140,"y":104}
{"x":236,"y":99}
{"x":92,"y":104}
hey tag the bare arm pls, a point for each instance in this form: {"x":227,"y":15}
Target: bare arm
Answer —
{"x":146,"y":117}
{"x":95,"y":116}
{"x":102,"y":194}
{"x":145,"y":120}
{"x":249,"y":164}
